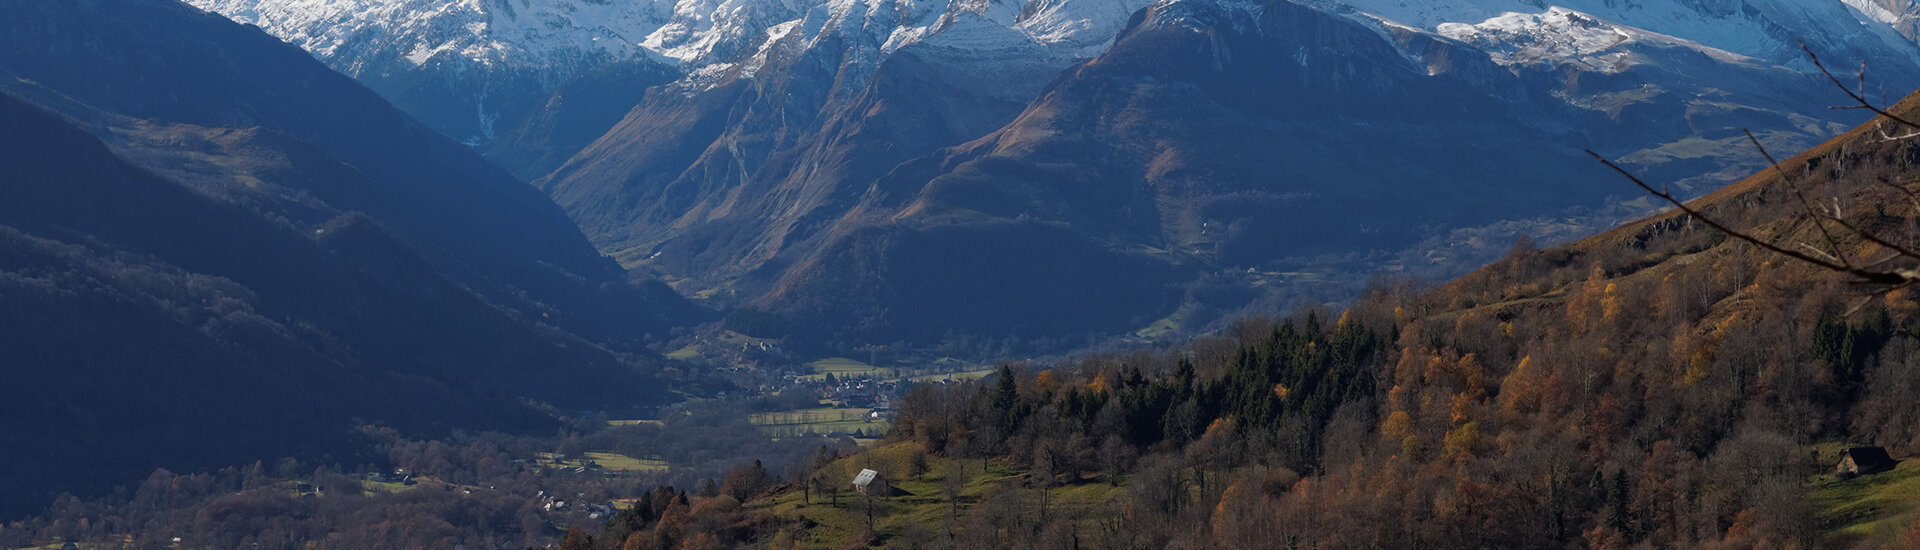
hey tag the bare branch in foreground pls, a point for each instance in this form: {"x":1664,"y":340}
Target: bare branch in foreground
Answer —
{"x":1832,"y":245}
{"x":1833,"y":257}
{"x":1859,"y":97}
{"x":1866,"y":276}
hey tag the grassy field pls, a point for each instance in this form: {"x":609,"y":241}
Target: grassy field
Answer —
{"x":624,"y":463}
{"x":386,"y":486}
{"x":942,"y":368}
{"x":963,"y":375}
{"x":125,"y":540}
{"x":863,"y":429}
{"x":924,"y":508}
{"x":809,"y":416}
{"x":1164,"y":326}
{"x":842,"y":367}
{"x":824,"y":420}
{"x":1877,"y":507}
{"x":688,"y":353}
{"x":605,"y":460}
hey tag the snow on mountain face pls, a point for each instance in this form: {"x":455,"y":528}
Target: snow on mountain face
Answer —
{"x":475,"y":69}
{"x":713,"y":40}
{"x":1563,"y":35}
{"x":999,"y":40}
{"x":440,"y":59}
{"x":1522,"y":31}
{"x":522,"y":33}
{"x":695,"y":34}
{"x":1903,"y":16}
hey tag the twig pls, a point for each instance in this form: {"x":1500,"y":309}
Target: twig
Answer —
{"x":1815,"y":250}
{"x":1837,"y":260}
{"x":1857,"y":96}
{"x":1804,"y":203}
{"x":1833,"y":216}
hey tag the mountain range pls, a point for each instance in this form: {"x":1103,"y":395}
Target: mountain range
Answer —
{"x":222,"y":242}
{"x":1067,"y":171}
{"x":1022,"y":177}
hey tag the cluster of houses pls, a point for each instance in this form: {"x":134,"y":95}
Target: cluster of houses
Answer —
{"x":602,"y":510}
{"x":865,"y":393}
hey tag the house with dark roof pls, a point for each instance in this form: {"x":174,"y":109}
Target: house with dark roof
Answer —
{"x":1857,"y":461}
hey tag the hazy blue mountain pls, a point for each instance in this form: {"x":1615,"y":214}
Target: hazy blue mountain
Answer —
{"x":214,"y":250}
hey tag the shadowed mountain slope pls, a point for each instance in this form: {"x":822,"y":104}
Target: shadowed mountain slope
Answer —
{"x":219,"y":251}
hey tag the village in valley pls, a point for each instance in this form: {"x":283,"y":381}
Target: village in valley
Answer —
{"x":835,"y":396}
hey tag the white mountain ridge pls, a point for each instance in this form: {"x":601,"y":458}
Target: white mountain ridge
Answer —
{"x":708,"y":38}
{"x":693,"y":34}
{"x":776,"y":99}
{"x":1595,"y":32}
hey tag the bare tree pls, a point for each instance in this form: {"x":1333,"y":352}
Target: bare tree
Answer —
{"x":952,"y":484}
{"x":1043,"y":475}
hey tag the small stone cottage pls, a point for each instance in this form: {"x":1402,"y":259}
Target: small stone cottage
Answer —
{"x":1855,"y":461}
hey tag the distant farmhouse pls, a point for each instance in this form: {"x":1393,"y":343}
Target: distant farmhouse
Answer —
{"x":1856,"y":461}
{"x":869,"y":479}
{"x":871,"y":483}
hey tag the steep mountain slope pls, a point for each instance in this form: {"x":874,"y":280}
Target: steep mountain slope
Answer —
{"x":1216,"y":133}
{"x":935,"y":73}
{"x":149,"y":326}
{"x":224,"y":252}
{"x":718,"y":175}
{"x":323,"y":146}
{"x":1188,"y":140}
{"x":531,"y":83}
{"x":527,"y":82}
{"x":1174,"y":148}
{"x":750,"y":166}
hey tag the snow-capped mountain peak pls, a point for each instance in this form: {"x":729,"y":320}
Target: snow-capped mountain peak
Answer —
{"x":1768,"y":30}
{"x":1561,"y":35}
{"x":1009,"y":49}
{"x":524,"y":33}
{"x":701,"y":37}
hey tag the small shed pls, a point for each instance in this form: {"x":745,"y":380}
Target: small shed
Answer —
{"x":867,"y":480}
{"x":871,"y":483}
{"x":1857,"y":461}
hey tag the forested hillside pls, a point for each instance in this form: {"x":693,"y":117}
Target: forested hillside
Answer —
{"x":1659,"y":385}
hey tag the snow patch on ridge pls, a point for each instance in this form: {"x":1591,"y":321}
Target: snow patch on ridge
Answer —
{"x":527,"y":33}
{"x":1873,"y":12}
{"x":713,"y":41}
{"x":1561,"y":35}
